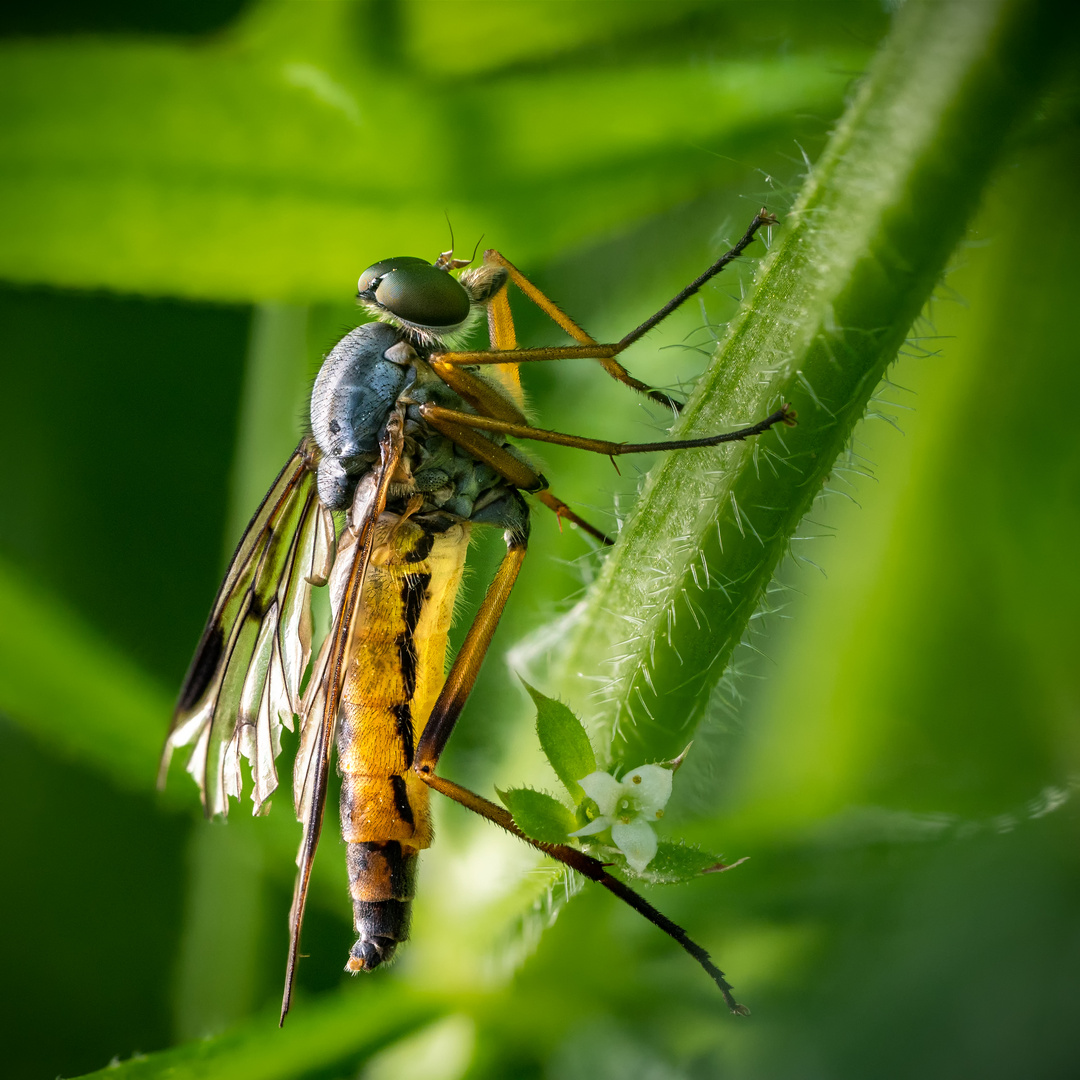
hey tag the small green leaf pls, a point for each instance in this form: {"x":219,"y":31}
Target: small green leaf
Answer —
{"x":675,"y":862}
{"x":564,"y":741}
{"x":539,"y":815}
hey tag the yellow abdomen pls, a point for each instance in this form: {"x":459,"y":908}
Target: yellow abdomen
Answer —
{"x":394,"y":675}
{"x":393,"y":679}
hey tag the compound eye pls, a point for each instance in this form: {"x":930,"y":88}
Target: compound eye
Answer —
{"x":420,"y":293}
{"x":371,"y":277}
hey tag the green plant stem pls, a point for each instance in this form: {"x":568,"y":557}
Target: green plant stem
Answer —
{"x":856,"y":260}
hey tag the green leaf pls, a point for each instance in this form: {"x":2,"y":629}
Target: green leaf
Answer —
{"x":564,"y":740}
{"x":675,"y":862}
{"x":342,"y":1026}
{"x":255,"y":166}
{"x":539,"y":815}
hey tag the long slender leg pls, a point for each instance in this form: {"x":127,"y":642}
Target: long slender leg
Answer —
{"x":501,"y":321}
{"x":481,"y":395}
{"x":441,"y":723}
{"x":593,"y":869}
{"x":462,"y":427}
{"x":504,"y":339}
{"x":553,"y":502}
{"x":589,"y":349}
{"x":524,"y":356}
{"x":763,"y":217}
{"x":557,"y":315}
{"x":437,"y":416}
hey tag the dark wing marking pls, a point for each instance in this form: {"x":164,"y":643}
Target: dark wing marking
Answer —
{"x":244,"y":680}
{"x":323,"y":694}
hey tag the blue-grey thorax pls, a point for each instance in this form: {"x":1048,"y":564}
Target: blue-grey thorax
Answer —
{"x":362,"y":379}
{"x":355,"y":390}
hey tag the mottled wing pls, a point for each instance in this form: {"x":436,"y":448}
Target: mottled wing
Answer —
{"x":323,"y":693}
{"x":244,"y":680}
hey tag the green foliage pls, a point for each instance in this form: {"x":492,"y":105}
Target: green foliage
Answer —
{"x":566,"y":746}
{"x":539,"y":815}
{"x":676,"y":863}
{"x":102,"y":708}
{"x":342,"y":1030}
{"x":255,"y":165}
{"x":901,"y":767}
{"x":564,"y":740}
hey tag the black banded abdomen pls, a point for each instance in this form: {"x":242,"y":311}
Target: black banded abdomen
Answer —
{"x":382,"y":883}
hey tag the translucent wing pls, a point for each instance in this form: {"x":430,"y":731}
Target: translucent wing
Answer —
{"x":244,"y":680}
{"x":323,"y":694}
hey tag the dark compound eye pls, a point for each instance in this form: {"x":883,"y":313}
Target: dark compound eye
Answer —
{"x":416,"y":292}
{"x":374,"y":273}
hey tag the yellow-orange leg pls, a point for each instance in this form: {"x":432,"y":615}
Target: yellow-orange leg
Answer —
{"x":504,"y":338}
{"x":440,"y":725}
{"x":558,"y":316}
{"x":589,"y":347}
{"x":481,"y":395}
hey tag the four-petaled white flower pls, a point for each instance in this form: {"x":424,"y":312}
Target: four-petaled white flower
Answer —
{"x":628,"y":807}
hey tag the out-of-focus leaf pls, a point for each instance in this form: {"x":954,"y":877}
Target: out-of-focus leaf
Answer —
{"x":338,"y":1029}
{"x":270,"y":163}
{"x":66,"y":686}
{"x":481,"y":38}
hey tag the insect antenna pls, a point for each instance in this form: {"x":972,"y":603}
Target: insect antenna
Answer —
{"x":446,"y":260}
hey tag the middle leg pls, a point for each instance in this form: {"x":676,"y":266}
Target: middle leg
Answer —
{"x":445,"y":419}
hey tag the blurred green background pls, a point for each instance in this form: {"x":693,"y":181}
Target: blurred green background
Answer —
{"x":189,"y":192}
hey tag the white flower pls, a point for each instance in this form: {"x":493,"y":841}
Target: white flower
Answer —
{"x":628,"y":807}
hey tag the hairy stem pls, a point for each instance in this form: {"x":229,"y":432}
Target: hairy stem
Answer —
{"x":851,"y":268}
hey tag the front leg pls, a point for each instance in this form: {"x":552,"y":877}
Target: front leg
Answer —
{"x":589,"y":348}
